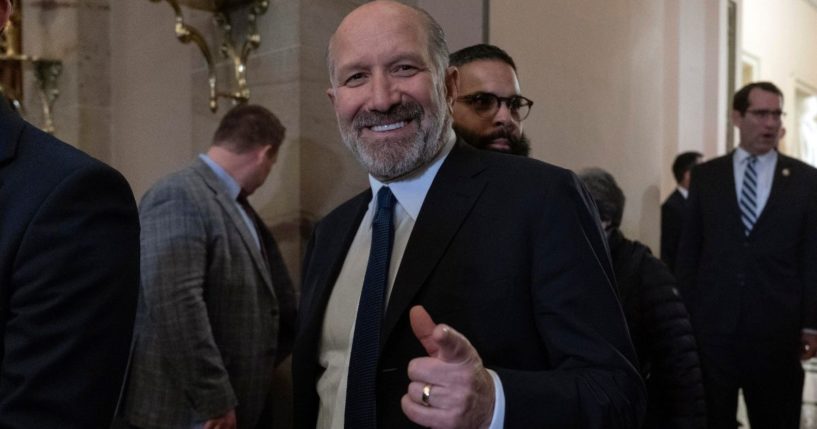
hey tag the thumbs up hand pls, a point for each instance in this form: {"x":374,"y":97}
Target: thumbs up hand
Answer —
{"x":450,"y":388}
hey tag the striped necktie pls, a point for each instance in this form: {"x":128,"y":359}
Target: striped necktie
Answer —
{"x":748,"y":196}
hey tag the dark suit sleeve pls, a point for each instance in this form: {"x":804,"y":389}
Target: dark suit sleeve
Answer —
{"x":592,"y":382}
{"x":689,"y":247}
{"x":671,"y":218}
{"x":285,"y":295}
{"x":71,"y":310}
{"x":808,"y":258}
{"x":174,"y":270}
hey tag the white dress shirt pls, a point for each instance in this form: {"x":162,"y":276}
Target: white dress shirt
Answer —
{"x":233,"y":189}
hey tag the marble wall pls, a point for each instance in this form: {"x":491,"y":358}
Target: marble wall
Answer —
{"x":135,"y":97}
{"x":78,"y":34}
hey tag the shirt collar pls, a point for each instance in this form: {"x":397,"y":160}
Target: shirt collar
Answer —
{"x":411,"y":191}
{"x":741,"y":155}
{"x":684,"y":191}
{"x":233,"y":188}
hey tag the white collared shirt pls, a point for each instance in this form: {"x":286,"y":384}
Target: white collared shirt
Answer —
{"x":765,"y":175}
{"x":233,"y":189}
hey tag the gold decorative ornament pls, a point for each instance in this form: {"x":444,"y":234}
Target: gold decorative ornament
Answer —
{"x":46,"y":72}
{"x":221,"y":10}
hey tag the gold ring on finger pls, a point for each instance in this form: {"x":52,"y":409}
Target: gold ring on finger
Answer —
{"x":426,"y":395}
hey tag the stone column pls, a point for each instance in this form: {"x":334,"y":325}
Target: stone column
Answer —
{"x":76,"y":32}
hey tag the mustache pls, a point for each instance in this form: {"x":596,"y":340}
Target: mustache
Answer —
{"x":397,"y":113}
{"x":501,"y":133}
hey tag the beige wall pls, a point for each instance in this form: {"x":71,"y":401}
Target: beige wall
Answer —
{"x":622,"y":84}
{"x":161,"y":120}
{"x":77,"y":34}
{"x":782,"y":37}
{"x":464,"y":21}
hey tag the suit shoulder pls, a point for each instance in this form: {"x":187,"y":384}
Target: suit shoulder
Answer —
{"x":44,"y":164}
{"x":714,"y":163}
{"x":794,"y":163}
{"x":178,"y":184}
{"x":520,"y":164}
{"x":533,"y":174}
{"x":673,"y":201}
{"x":344,"y":211}
{"x":54,"y":157}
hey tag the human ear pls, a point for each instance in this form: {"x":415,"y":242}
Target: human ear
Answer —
{"x":452,"y":81}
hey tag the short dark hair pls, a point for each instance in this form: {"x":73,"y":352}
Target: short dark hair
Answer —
{"x":740,"y":101}
{"x":605,"y":191}
{"x":247,"y":126}
{"x":683,"y":163}
{"x":478,"y":52}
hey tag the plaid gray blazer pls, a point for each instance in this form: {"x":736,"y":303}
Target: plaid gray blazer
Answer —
{"x":208,"y":318}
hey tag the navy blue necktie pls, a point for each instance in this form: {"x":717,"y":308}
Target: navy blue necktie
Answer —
{"x":361,"y":388}
{"x":748,"y":196}
{"x":256,"y":221}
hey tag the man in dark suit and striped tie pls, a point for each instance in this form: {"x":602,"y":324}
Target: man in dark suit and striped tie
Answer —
{"x":746,"y":266}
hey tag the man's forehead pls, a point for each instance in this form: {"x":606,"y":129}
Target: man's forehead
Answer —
{"x":761,"y":96}
{"x":378,"y":42}
{"x":489,"y":75}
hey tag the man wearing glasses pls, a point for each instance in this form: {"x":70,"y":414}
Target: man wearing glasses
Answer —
{"x":489,"y":112}
{"x":746,"y":267}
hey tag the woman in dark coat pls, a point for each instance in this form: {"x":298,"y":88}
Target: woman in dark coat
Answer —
{"x":658,"y":321}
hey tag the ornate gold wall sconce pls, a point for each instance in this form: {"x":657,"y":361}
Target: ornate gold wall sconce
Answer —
{"x":229,"y":49}
{"x":12,"y":63}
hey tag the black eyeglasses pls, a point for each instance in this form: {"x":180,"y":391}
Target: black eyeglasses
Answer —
{"x":486,"y":104}
{"x":764,"y":113}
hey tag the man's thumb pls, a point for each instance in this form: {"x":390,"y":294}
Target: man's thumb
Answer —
{"x":423,"y":327}
{"x":440,"y":341}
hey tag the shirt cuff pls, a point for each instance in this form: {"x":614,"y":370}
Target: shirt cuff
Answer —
{"x":498,"y":420}
{"x":805,"y":331}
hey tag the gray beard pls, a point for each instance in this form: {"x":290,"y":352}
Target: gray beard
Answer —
{"x":389,"y":159}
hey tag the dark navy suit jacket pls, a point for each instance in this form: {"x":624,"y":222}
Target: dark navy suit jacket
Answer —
{"x":763,"y":285}
{"x":507,"y":251}
{"x":69,"y":272}
{"x":672,"y":221}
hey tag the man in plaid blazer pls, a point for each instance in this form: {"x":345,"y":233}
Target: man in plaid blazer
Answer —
{"x":216,"y":310}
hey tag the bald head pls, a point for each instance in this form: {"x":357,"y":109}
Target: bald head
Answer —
{"x":354,"y":27}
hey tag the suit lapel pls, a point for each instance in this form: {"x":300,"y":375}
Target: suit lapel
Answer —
{"x":725,"y":185}
{"x":333,"y":240}
{"x":230,"y":208}
{"x":451,"y":197}
{"x":780,"y":183}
